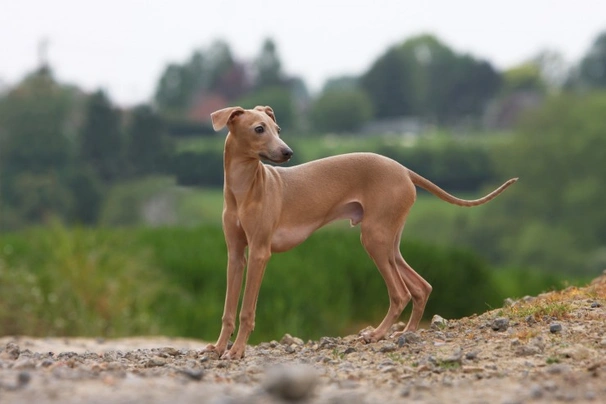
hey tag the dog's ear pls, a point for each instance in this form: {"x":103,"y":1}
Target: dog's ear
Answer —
{"x":221,"y":117}
{"x":267,"y":110}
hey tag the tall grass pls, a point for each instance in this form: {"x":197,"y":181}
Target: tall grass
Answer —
{"x":171,"y":281}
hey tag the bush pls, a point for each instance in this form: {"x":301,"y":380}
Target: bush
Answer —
{"x":341,"y":110}
{"x":454,"y":166}
{"x":198,"y":168}
{"x":171,"y":281}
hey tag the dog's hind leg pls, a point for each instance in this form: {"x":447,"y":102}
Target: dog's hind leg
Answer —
{"x":378,"y":242}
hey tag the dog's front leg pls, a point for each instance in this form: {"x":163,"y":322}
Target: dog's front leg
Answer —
{"x":257,"y":260}
{"x":236,"y":261}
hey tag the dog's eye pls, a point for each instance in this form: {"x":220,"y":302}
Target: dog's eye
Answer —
{"x":259,"y":129}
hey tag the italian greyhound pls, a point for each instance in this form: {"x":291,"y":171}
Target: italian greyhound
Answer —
{"x":273,"y":209}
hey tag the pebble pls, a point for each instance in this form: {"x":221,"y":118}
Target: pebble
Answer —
{"x":438,"y":322}
{"x":408,"y":337}
{"x":530,"y":320}
{"x":10,"y":352}
{"x":194,"y":374}
{"x":471,"y":355}
{"x":289,"y":340}
{"x":500,"y":324}
{"x":555,"y":328}
{"x":291,"y":382}
{"x":595,"y":305}
{"x":388,"y":347}
{"x":577,"y":352}
{"x":536,"y":391}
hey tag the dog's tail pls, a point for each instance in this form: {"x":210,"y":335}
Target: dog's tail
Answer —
{"x":445,"y":196}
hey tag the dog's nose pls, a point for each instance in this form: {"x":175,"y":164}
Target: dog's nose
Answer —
{"x":287,"y":153}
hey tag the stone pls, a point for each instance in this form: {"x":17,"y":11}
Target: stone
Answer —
{"x":500,"y":324}
{"x":438,"y":322}
{"x":291,"y":382}
{"x":11,"y":352}
{"x":289,"y":340}
{"x":555,"y":328}
{"x":388,"y":347}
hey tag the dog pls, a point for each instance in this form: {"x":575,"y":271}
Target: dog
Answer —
{"x":270,"y":209}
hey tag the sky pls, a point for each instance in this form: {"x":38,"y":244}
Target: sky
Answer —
{"x":122,"y":46}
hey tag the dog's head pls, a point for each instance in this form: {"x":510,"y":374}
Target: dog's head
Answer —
{"x":255,"y":131}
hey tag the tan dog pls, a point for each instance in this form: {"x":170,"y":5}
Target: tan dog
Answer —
{"x":273,"y":209}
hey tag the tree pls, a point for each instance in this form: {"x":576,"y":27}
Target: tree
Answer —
{"x":592,"y":69}
{"x":554,"y":217}
{"x":341,"y":110}
{"x":341,"y":83}
{"x":553,"y":67}
{"x":268,"y":67}
{"x":33,"y":118}
{"x":424,"y":77}
{"x":101,"y":142}
{"x":525,"y":77}
{"x":35,"y":149}
{"x":389,"y":84}
{"x":279,"y":98}
{"x":148,"y":147}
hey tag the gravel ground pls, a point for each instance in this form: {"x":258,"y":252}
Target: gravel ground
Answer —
{"x":544,"y":349}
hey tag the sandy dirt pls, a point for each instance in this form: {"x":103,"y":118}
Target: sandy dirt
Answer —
{"x":544,"y":349}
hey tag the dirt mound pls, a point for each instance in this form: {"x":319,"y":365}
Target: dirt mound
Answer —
{"x":539,"y":349}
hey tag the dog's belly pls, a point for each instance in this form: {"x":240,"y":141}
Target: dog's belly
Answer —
{"x":285,"y":238}
{"x":291,"y":235}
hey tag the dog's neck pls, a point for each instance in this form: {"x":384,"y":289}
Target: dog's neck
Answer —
{"x":242,"y":172}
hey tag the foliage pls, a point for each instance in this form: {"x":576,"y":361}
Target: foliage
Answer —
{"x":453,"y":164}
{"x":36,"y":149}
{"x":279,"y":98}
{"x":201,"y":169}
{"x":341,"y":110}
{"x":59,"y":282}
{"x":208,"y":71}
{"x":102,"y":144}
{"x":424,"y":77}
{"x":268,"y":66}
{"x":389,"y":84}
{"x":148,"y":147}
{"x":558,"y":203}
{"x":171,"y":281}
{"x":592,"y":69}
{"x":525,"y":77}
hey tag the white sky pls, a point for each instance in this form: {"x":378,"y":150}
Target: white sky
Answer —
{"x":124,"y":45}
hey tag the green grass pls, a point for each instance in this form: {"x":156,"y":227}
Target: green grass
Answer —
{"x":116,"y":282}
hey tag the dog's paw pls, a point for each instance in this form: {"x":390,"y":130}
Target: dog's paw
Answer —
{"x":212,"y":349}
{"x":234,"y":353}
{"x":369,"y":336}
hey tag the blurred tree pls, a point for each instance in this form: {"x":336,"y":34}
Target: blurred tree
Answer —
{"x":88,"y":194}
{"x":148,"y":146}
{"x":173,"y":92}
{"x":35,"y":148}
{"x":553,"y":67}
{"x":207,"y":72}
{"x":279,"y":98}
{"x":33,"y":120}
{"x":557,"y":207}
{"x":341,"y":110}
{"x":101,"y":142}
{"x":389,"y":84}
{"x":592,"y":69}
{"x":341,"y":83}
{"x":424,"y":77}
{"x":268,"y":67}
{"x":40,"y":197}
{"x":525,"y":77}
